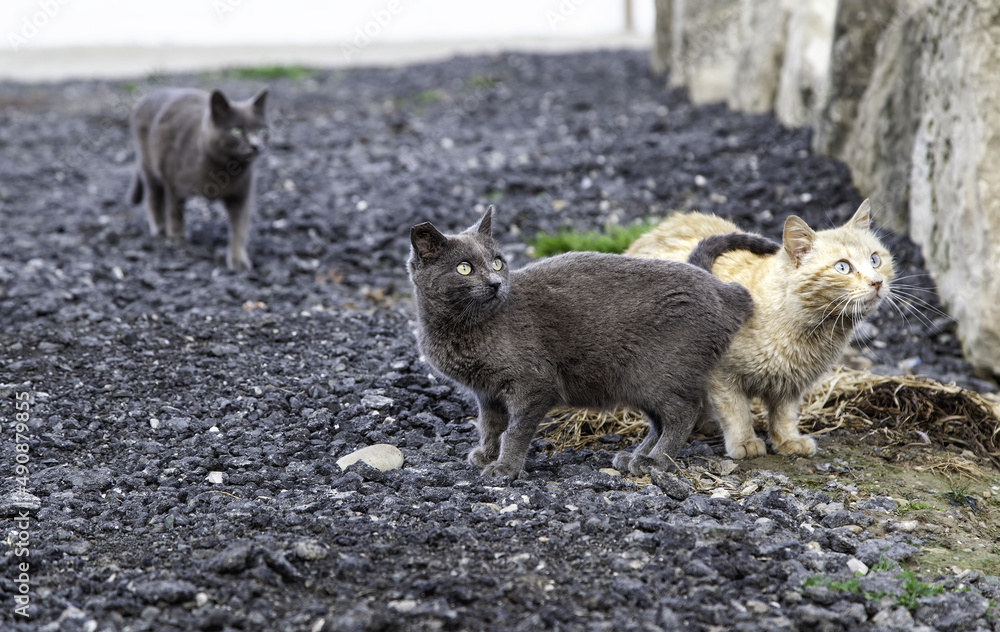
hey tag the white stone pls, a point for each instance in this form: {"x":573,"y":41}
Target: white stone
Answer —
{"x":215,"y":478}
{"x":381,"y":456}
{"x":310,"y":550}
{"x":857,"y":566}
{"x":377,"y":402}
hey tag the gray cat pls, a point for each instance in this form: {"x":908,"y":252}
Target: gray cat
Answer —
{"x":192,"y":143}
{"x":580,"y":329}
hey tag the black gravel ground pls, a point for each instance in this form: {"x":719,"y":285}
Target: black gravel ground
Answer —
{"x":183,"y":422}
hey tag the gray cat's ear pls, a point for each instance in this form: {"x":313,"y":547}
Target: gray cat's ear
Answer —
{"x":485,"y":225}
{"x":797,"y":239}
{"x":259,"y":102}
{"x":862,"y":217}
{"x":426,"y":240}
{"x":220,"y":106}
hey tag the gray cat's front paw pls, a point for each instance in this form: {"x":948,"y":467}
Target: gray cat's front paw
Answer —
{"x":239,"y":262}
{"x":499,"y":469}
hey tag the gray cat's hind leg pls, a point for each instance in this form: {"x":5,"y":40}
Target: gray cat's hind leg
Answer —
{"x":155,"y":212}
{"x":674,"y":421}
{"x":516,"y":440}
{"x":238,"y":209}
{"x":175,"y":214}
{"x":493,"y":420}
{"x":624,"y":457}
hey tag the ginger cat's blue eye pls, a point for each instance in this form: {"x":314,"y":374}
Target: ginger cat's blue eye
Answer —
{"x":843,"y":267}
{"x":237,"y":132}
{"x":497,"y":263}
{"x":464,"y":268}
{"x":876,"y":260}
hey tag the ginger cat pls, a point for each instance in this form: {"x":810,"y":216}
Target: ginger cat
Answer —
{"x":808,"y":297}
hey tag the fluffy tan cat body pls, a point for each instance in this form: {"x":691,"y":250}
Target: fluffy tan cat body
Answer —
{"x":808,"y":297}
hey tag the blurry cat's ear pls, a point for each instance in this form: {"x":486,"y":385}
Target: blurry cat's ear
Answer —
{"x":485,"y":225}
{"x":426,"y":240}
{"x":862,"y":217}
{"x":220,"y":107}
{"x":797,"y":239}
{"x":259,"y":102}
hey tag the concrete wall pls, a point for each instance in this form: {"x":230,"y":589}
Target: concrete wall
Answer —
{"x":906,"y":93}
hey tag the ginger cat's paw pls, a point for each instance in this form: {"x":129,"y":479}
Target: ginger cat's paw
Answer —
{"x":748,"y":449}
{"x":803,"y":446}
{"x":480,"y":459}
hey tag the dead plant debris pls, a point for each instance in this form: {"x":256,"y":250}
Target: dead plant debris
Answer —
{"x":900,"y":411}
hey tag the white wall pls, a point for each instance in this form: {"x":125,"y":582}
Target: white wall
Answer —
{"x":27,"y":25}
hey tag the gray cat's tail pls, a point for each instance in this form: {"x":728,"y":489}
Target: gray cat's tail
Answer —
{"x":709,"y":248}
{"x":136,"y":192}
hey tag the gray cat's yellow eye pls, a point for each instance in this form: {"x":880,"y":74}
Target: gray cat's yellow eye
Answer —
{"x":497,"y":263}
{"x":464,"y":268}
{"x":843,"y":267}
{"x":876,"y":260}
{"x":236,"y":131}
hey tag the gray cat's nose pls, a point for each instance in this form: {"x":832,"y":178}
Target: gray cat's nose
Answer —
{"x":494,"y":286}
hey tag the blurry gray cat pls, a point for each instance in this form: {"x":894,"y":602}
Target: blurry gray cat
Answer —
{"x":192,"y":143}
{"x":580,"y":329}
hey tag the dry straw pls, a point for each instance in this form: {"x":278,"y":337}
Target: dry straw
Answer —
{"x":904,"y":410}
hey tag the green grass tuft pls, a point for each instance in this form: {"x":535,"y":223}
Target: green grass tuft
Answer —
{"x":428,"y":96}
{"x":485,"y":82}
{"x":884,"y":564}
{"x":912,"y":588}
{"x":915,"y":505}
{"x":270,"y":73}
{"x":615,"y":239}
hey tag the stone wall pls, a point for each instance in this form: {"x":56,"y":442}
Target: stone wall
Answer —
{"x":905,"y":92}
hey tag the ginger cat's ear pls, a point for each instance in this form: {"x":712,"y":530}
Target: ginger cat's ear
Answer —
{"x":862,"y":217}
{"x":485,"y":225}
{"x":797,"y":239}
